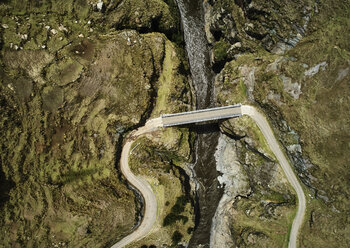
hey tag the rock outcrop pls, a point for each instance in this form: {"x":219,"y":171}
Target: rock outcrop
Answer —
{"x":294,"y":68}
{"x":236,"y":27}
{"x":256,"y":194}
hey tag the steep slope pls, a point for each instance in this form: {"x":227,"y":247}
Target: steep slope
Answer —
{"x":76,"y":77}
{"x":294,"y":64}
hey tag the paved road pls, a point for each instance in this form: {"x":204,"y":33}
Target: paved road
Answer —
{"x":190,"y":117}
{"x":141,"y":184}
{"x":271,"y":140}
{"x":201,"y":115}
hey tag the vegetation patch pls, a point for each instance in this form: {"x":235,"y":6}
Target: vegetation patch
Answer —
{"x":71,"y":85}
{"x":64,"y":71}
{"x":175,"y":213}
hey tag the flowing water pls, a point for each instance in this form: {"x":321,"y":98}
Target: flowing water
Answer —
{"x":208,"y":192}
{"x":192,"y":16}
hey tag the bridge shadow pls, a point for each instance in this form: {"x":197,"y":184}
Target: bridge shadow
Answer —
{"x":204,"y":127}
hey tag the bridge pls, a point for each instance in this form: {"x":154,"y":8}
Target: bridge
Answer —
{"x":210,"y":114}
{"x":150,"y":215}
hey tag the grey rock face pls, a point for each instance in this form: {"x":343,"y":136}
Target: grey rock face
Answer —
{"x":236,"y":183}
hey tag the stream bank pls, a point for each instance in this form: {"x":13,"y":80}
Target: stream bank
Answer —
{"x":208,"y":192}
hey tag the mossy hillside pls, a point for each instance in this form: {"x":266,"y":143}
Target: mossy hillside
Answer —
{"x":35,"y":31}
{"x":65,"y":92}
{"x":125,"y":67}
{"x":54,"y":156}
{"x":154,"y":15}
{"x":263,"y":209}
{"x":270,"y":210}
{"x":52,"y":25}
{"x":65,"y":151}
{"x":316,"y":117}
{"x":163,"y":156}
{"x":249,"y":77}
{"x":171,"y":186}
{"x":27,"y":62}
{"x":324,"y":109}
{"x":173,"y":98}
{"x":64,"y":71}
{"x":267,"y":178}
{"x":252,"y":226}
{"x":265,"y":216}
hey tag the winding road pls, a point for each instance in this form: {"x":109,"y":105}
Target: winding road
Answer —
{"x":288,"y":171}
{"x":145,"y":189}
{"x":141,"y":185}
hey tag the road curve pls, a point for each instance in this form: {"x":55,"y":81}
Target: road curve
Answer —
{"x":145,"y":189}
{"x":271,"y":140}
{"x":141,"y":185}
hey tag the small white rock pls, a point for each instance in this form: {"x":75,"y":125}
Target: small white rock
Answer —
{"x":53,"y":31}
{"x":251,"y":25}
{"x":10,"y":87}
{"x":62,"y":28}
{"x":4,"y":25}
{"x":81,"y":36}
{"x":237,"y":45}
{"x":99,"y":5}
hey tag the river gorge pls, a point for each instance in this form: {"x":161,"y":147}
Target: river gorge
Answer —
{"x":208,"y":192}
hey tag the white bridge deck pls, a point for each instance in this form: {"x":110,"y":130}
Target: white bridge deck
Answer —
{"x":218,"y":113}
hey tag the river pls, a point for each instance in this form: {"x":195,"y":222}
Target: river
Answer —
{"x":208,"y":191}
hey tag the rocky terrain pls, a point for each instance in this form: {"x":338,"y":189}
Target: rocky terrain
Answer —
{"x":76,"y":77}
{"x":291,"y":60}
{"x":258,"y":205}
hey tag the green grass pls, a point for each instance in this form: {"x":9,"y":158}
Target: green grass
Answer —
{"x":320,"y":130}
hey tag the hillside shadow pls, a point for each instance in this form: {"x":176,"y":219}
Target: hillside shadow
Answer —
{"x":5,"y":187}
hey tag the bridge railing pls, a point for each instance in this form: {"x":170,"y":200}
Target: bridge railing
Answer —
{"x":201,"y":120}
{"x":201,"y":110}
